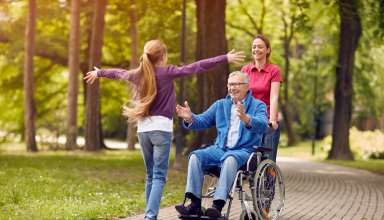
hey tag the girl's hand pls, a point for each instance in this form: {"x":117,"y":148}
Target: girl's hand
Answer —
{"x":235,"y":57}
{"x":91,"y":76}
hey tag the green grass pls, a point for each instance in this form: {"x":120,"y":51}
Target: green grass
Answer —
{"x":304,"y":149}
{"x":77,"y":185}
{"x":376,"y":166}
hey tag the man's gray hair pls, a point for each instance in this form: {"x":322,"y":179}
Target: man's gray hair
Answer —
{"x":244,"y":76}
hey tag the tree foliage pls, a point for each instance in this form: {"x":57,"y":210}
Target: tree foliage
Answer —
{"x":312,"y":52}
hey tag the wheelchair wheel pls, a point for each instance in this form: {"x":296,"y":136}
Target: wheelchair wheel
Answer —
{"x":244,"y":216}
{"x":268,"y":191}
{"x":209,"y":188}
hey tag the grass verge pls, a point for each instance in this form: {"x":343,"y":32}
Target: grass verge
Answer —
{"x":304,"y":150}
{"x":77,"y":185}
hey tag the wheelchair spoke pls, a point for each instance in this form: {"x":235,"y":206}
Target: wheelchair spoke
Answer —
{"x":269,"y":192}
{"x":262,"y":192}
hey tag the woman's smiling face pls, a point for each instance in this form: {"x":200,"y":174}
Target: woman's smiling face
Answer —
{"x":259,"y":49}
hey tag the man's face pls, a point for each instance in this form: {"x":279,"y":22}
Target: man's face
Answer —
{"x":237,"y":88}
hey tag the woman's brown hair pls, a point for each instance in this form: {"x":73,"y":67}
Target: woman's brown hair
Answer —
{"x":266,"y":42}
{"x":154,"y":51}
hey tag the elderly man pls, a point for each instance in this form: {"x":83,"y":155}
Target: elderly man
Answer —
{"x":240,"y":121}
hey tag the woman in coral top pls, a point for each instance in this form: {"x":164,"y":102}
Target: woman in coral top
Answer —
{"x":265,"y":79}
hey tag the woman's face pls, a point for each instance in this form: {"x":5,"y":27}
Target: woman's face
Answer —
{"x":259,"y":49}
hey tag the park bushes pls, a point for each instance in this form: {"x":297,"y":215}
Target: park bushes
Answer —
{"x":364,"y":144}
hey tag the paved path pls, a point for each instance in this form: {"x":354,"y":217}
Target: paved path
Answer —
{"x":318,"y":191}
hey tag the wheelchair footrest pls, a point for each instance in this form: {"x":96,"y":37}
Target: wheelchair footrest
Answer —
{"x":196,"y":217}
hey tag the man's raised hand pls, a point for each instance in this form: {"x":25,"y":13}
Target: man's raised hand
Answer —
{"x":184,"y":112}
{"x":241,"y":112}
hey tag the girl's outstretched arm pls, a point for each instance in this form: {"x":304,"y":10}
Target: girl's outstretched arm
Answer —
{"x":122,"y":74}
{"x":206,"y":64}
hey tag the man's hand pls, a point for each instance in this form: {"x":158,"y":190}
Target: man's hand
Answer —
{"x":91,"y":76}
{"x":184,"y":112}
{"x":235,"y":57}
{"x":241,"y":111}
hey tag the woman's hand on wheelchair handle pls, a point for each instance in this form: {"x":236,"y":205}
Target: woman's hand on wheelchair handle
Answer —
{"x":273,"y":124}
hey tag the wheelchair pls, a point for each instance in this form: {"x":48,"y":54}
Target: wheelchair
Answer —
{"x":259,"y":185}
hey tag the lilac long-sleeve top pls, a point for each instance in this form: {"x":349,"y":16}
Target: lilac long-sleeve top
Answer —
{"x":165,"y":100}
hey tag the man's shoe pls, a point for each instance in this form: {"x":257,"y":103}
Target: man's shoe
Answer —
{"x":213,"y":212}
{"x":188,"y":210}
{"x":265,"y":213}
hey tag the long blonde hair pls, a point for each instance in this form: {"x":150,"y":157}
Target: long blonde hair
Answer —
{"x":154,"y":51}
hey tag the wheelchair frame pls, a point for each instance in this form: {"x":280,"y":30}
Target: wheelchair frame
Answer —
{"x":256,"y":175}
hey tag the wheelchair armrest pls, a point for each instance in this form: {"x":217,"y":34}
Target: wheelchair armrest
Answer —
{"x":262,"y":149}
{"x":253,"y":159}
{"x":252,"y":162}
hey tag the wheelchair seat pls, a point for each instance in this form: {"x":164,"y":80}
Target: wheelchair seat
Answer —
{"x":262,"y":149}
{"x":214,"y":171}
{"x":251,"y":164}
{"x":255,"y":159}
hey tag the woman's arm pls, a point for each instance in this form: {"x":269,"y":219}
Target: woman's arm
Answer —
{"x":274,"y":100}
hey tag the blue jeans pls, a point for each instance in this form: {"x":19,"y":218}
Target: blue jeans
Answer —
{"x":271,"y":139}
{"x":202,"y":160}
{"x":155,"y":147}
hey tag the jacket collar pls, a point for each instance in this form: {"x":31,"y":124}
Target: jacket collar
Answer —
{"x":247,"y":100}
{"x":247,"y":103}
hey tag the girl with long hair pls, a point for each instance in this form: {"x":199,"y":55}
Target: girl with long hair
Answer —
{"x":154,"y":107}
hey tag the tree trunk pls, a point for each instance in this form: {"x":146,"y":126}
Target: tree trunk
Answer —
{"x":85,"y":66}
{"x":285,"y":109}
{"x":131,"y":130}
{"x":29,"y":102}
{"x":287,"y":118}
{"x":179,"y":137}
{"x":350,"y":31}
{"x":211,"y":41}
{"x":382,"y":14}
{"x":73,"y":63}
{"x":93,"y":134}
